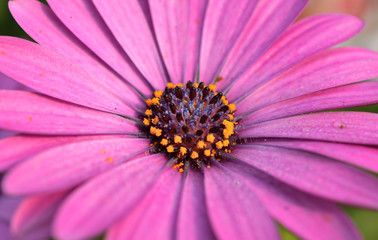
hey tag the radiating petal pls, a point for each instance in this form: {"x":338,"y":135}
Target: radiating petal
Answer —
{"x":52,"y":74}
{"x":178,"y":26}
{"x":348,"y":127}
{"x":5,"y":231}
{"x":234,"y":210}
{"x":313,"y":174}
{"x":193,"y":221}
{"x":9,"y":84}
{"x":73,"y":163}
{"x":130,"y":27}
{"x":224,"y":22}
{"x":268,"y":22}
{"x":78,"y":15}
{"x":302,"y":40}
{"x":33,"y":113}
{"x":8,"y":206}
{"x":157,"y":212}
{"x":44,"y":27}
{"x":334,"y":98}
{"x":104,"y":200}
{"x":302,"y":213}
{"x":325,"y":70}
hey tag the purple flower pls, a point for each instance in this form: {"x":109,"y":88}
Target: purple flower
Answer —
{"x":188,"y":165}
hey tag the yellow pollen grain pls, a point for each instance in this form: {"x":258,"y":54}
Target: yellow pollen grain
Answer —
{"x":201,"y":144}
{"x":155,"y":120}
{"x":232,"y":107}
{"x":181,"y":170}
{"x":213,"y":152}
{"x":158,"y":94}
{"x":219,"y":144}
{"x":30,"y":118}
{"x":146,"y":122}
{"x":183,"y":150}
{"x":155,"y":101}
{"x":3,"y":53}
{"x":230,"y":117}
{"x":178,"y":165}
{"x":196,"y":85}
{"x":178,"y":139}
{"x":170,"y":149}
{"x":224,"y":100}
{"x":180,"y":85}
{"x":226,"y":143}
{"x":164,"y":142}
{"x":149,"y":102}
{"x":194,"y":155}
{"x":207,"y":152}
{"x":212,"y":87}
{"x":170,"y":85}
{"x":103,"y":151}
{"x":148,"y":112}
{"x":227,"y":133}
{"x":109,"y":159}
{"x":155,"y":131}
{"x":210,"y":138}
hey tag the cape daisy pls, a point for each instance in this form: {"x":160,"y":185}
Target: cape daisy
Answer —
{"x":119,"y":140}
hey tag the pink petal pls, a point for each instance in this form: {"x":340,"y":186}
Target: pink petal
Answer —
{"x":47,"y":72}
{"x":361,"y":156}
{"x":234,"y":210}
{"x":302,"y":40}
{"x":33,"y":113}
{"x":313,"y":174}
{"x":79,"y":15}
{"x":268,"y":22}
{"x":193,"y":222}
{"x":130,"y":27}
{"x":8,"y":206}
{"x":178,"y":26}
{"x":349,"y":127}
{"x":355,"y":95}
{"x":39,"y":174}
{"x":224,"y":22}
{"x":42,"y":25}
{"x":157,"y":212}
{"x":5,"y":231}
{"x":107,"y":198}
{"x":325,"y":70}
{"x":9,"y":84}
{"x":302,"y":213}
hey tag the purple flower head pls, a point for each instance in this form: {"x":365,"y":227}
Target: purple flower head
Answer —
{"x":187,"y":120}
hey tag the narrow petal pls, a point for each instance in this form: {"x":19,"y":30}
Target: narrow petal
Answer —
{"x":269,"y":21}
{"x":39,"y":174}
{"x":302,"y":40}
{"x":79,"y":15}
{"x":334,"y":98}
{"x":9,"y":84}
{"x":86,"y":211}
{"x":8,"y":206}
{"x":33,"y":113}
{"x":5,"y":231}
{"x":224,"y":22}
{"x":348,"y":127}
{"x":313,"y":174}
{"x":178,"y":26}
{"x":302,"y":213}
{"x":234,"y":210}
{"x":157,"y":212}
{"x":130,"y":27}
{"x":47,"y":72}
{"x":193,"y":221}
{"x":325,"y":70}
{"x":44,"y":27}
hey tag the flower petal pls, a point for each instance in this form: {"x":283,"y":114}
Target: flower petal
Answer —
{"x":5,"y":231}
{"x":130,"y":27}
{"x":355,"y":95}
{"x":86,"y":212}
{"x":42,"y":25}
{"x":348,"y":127}
{"x":47,"y":72}
{"x":33,"y":113}
{"x":302,"y":40}
{"x":325,"y":70}
{"x":268,"y":22}
{"x":313,"y":174}
{"x":224,"y":22}
{"x":234,"y":210}
{"x":79,"y":15}
{"x":157,"y":212}
{"x":8,"y":206}
{"x":40,"y":175}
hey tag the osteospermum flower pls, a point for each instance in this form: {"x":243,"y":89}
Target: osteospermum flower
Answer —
{"x":187,"y":119}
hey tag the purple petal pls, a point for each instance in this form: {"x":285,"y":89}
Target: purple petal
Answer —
{"x":130,"y":27}
{"x":9,"y":84}
{"x":224,"y":22}
{"x":39,"y":174}
{"x":302,"y":40}
{"x":302,"y":213}
{"x":349,"y":127}
{"x":355,"y":95}
{"x":313,"y":174}
{"x":96,"y":205}
{"x":5,"y":231}
{"x":157,"y":212}
{"x":8,"y":206}
{"x":268,"y":22}
{"x":79,"y":15}
{"x":234,"y":210}
{"x":324,"y":70}
{"x":33,"y":113}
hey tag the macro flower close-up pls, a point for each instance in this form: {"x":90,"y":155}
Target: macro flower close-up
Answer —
{"x":185,"y":119}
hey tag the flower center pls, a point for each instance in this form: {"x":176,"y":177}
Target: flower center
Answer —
{"x":192,"y":124}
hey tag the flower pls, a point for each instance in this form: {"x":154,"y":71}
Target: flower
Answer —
{"x":136,"y":150}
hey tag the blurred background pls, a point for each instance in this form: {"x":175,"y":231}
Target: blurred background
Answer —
{"x":367,"y":10}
